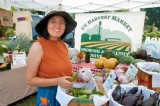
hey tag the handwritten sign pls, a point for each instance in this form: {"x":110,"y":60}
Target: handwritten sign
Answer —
{"x":109,"y":81}
{"x":131,"y":72}
{"x":19,"y":58}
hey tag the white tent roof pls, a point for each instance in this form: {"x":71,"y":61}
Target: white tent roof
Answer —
{"x":75,"y":6}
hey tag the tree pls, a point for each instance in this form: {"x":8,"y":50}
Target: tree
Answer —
{"x":152,"y":16}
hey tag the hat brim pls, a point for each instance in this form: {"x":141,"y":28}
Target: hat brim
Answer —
{"x":70,"y":23}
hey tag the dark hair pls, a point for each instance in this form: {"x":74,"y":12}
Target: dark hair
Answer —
{"x":45,"y":34}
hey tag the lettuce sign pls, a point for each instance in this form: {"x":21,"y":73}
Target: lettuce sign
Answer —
{"x":119,"y":32}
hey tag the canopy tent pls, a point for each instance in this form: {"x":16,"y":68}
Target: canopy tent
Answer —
{"x":76,"y":6}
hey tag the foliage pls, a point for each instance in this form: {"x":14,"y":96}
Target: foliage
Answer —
{"x":152,"y":16}
{"x":31,"y":10}
{"x":4,"y":43}
{"x":1,"y":57}
{"x":152,"y":23}
{"x":150,"y":31}
{"x":6,"y":31}
{"x":20,"y":44}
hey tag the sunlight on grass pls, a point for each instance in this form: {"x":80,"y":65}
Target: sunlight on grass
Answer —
{"x":28,"y":101}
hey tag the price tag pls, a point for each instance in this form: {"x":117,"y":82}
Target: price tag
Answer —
{"x":131,"y":72}
{"x":109,"y":81}
{"x":19,"y":58}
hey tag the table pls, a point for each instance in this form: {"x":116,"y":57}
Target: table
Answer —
{"x":13,"y":86}
{"x":90,"y":65}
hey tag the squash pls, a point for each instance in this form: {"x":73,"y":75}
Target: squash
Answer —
{"x":109,"y":64}
{"x":102,"y":58}
{"x":99,"y":63}
{"x":114,"y":59}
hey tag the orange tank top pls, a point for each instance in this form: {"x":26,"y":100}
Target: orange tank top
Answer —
{"x":55,"y":62}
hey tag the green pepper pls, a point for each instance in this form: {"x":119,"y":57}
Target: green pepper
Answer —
{"x":74,"y":77}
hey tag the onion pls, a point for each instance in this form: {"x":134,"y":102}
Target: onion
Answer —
{"x":123,"y":79}
{"x":119,"y":72}
{"x":85,"y":75}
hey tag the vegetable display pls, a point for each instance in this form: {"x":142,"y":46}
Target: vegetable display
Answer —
{"x":134,"y":98}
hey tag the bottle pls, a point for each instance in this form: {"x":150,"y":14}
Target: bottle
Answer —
{"x":87,"y":57}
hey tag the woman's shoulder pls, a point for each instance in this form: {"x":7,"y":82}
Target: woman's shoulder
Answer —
{"x":35,"y":50}
{"x":36,"y":46}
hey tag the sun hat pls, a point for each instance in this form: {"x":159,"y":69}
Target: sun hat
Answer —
{"x":70,"y":23}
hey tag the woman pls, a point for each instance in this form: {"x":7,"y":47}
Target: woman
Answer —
{"x":48,"y":63}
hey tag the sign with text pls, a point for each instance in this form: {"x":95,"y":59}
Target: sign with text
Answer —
{"x":109,"y":81}
{"x":19,"y":58}
{"x":131,"y":72}
{"x":96,"y":32}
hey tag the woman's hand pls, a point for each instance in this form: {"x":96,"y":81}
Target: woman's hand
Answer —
{"x":64,"y":82}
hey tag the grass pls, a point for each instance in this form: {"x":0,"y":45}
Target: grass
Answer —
{"x":28,"y":101}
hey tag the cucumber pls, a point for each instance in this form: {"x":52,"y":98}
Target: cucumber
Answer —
{"x":82,"y":96}
{"x":84,"y":92}
{"x":74,"y":91}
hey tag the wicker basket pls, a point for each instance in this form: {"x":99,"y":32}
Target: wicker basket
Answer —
{"x":145,"y":79}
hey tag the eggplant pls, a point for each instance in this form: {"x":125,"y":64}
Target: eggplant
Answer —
{"x":158,"y":102}
{"x":152,"y":100}
{"x":133,"y":90}
{"x":130,"y":100}
{"x":140,"y":99}
{"x":122,"y":96}
{"x":116,"y":94}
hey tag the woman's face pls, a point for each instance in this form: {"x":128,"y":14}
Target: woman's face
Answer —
{"x":56,"y":27}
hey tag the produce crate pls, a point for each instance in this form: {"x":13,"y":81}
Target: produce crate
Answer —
{"x":8,"y":67}
{"x":145,"y":79}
